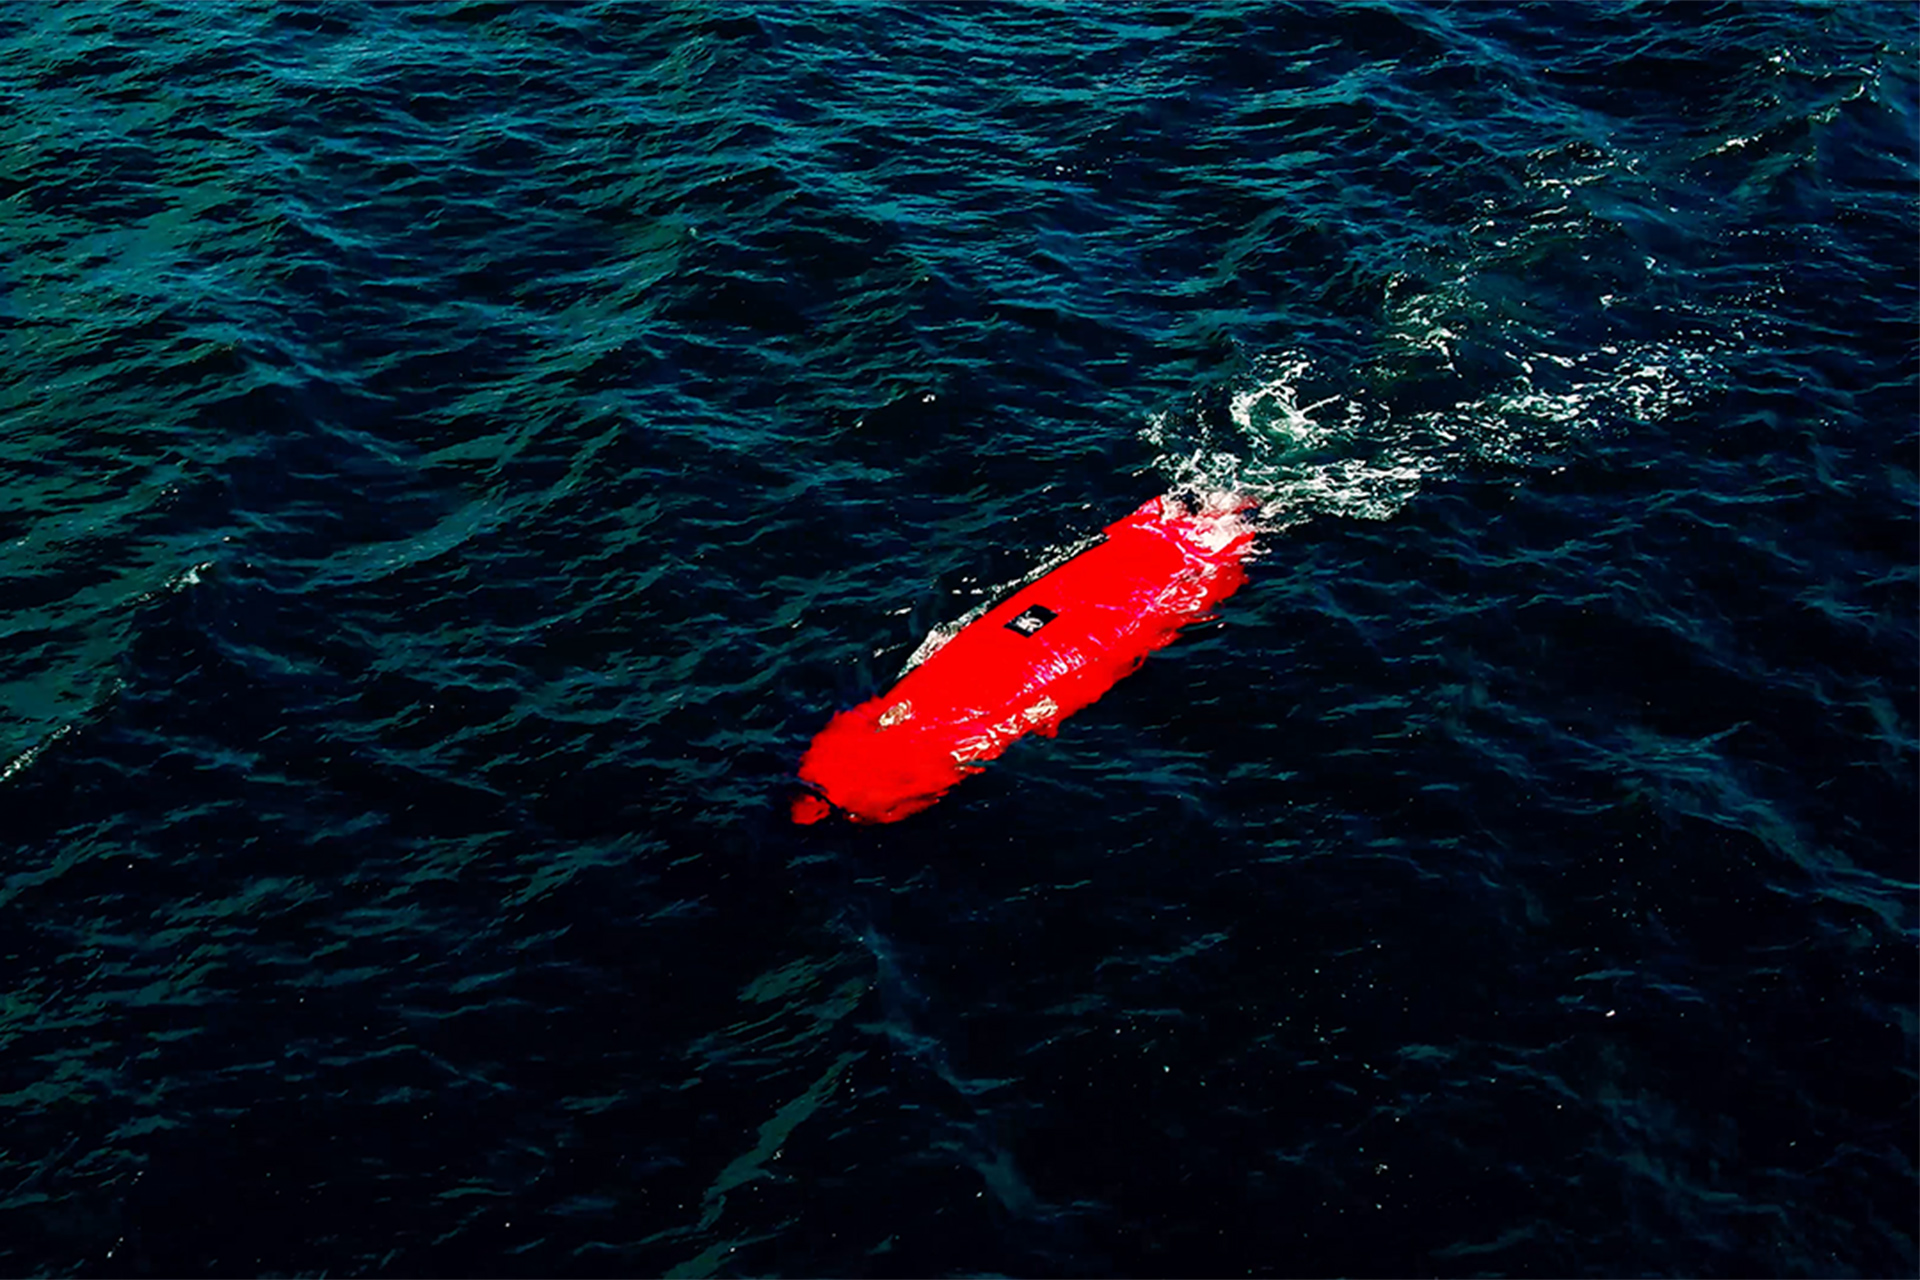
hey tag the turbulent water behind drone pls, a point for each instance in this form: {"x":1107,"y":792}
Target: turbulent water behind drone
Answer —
{"x":455,"y":457}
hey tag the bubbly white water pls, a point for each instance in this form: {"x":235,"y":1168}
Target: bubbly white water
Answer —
{"x":1301,"y":454}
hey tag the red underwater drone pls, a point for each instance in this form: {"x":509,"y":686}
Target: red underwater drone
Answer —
{"x":1049,"y":649}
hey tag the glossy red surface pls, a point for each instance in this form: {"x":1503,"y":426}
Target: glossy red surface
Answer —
{"x":1043,"y":653}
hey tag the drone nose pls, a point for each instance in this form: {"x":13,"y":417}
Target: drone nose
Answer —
{"x":809,"y":809}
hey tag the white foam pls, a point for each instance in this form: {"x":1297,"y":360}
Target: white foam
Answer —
{"x":1348,"y":454}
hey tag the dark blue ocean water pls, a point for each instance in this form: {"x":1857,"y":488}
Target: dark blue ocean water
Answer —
{"x":455,"y":456}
